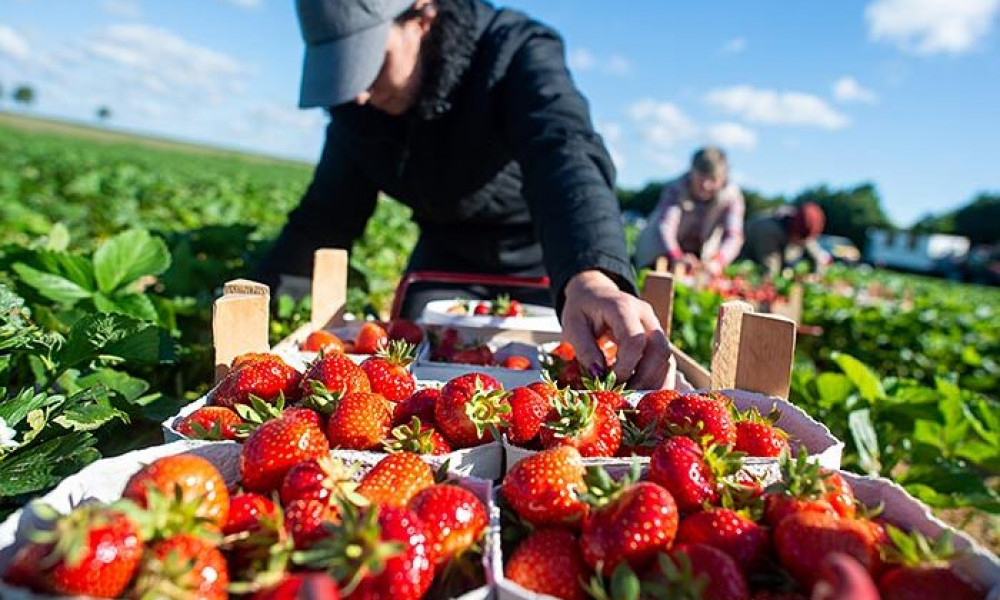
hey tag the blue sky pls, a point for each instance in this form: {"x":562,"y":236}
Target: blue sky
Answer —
{"x":900,"y":92}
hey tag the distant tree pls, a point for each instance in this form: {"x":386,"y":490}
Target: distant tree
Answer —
{"x":980,"y":219}
{"x":849,"y":212}
{"x":103,"y":113}
{"x":643,"y":200}
{"x":25,"y":95}
{"x":758,"y":203}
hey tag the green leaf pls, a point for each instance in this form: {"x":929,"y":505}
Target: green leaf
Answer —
{"x":127,"y":257}
{"x":58,"y":238}
{"x":139,"y":306}
{"x":54,"y":287}
{"x":14,"y":410}
{"x":865,"y":440}
{"x":110,"y":335}
{"x":833,"y":389}
{"x":35,"y":468}
{"x":865,"y":379}
{"x":930,"y":433}
{"x":89,"y":417}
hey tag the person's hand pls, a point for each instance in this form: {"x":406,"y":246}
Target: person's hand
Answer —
{"x":594,"y":305}
{"x":693,"y":262}
{"x":714,"y":266}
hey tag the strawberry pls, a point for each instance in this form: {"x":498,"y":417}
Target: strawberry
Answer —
{"x":562,"y":367}
{"x":604,"y":390}
{"x":210,"y":423}
{"x":699,"y":571}
{"x":404,"y":330}
{"x":417,"y":438}
{"x":265,"y":376}
{"x":564,"y":351}
{"x":479,"y":354}
{"x":805,"y":486}
{"x":322,"y":340}
{"x":542,"y":489}
{"x":317,"y":478}
{"x":306,"y":519}
{"x":246,"y":511}
{"x":582,"y":421}
{"x":387,"y":371}
{"x":516,"y":362}
{"x":183,"y":566}
{"x":92,"y":551}
{"x":549,"y":562}
{"x":756,"y":434}
{"x":481,"y":309}
{"x":359,"y":421}
{"x":546,"y":388}
{"x":371,"y":338}
{"x":331,"y":375}
{"x":315,"y":586}
{"x":395,"y":479}
{"x":503,"y":306}
{"x":729,"y":531}
{"x":528,"y":411}
{"x":454,"y":517}
{"x":804,"y":539}
{"x":381,"y":552}
{"x":274,"y":448}
{"x":701,"y":415}
{"x":302,"y":413}
{"x":446,"y":346}
{"x":691,"y":474}
{"x":629,"y":521}
{"x":922,"y":569}
{"x":470,"y":407}
{"x":189,"y":478}
{"x":651,"y":408}
{"x":639,"y":442}
{"x":420,"y":404}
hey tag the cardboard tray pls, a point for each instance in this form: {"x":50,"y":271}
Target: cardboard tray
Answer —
{"x":426,"y":369}
{"x":105,"y":480}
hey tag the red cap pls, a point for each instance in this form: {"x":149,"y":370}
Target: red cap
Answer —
{"x":808,"y":221}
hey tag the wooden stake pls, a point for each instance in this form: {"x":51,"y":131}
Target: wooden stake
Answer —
{"x":245,"y":286}
{"x":329,"y":287}
{"x":662,"y":264}
{"x":239,"y":325}
{"x":726,"y":343}
{"x":658,"y":291}
{"x":766,"y":354}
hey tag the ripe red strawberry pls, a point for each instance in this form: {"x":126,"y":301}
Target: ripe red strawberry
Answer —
{"x":628,"y":522}
{"x":689,"y":473}
{"x":387,"y":371}
{"x":183,"y":566}
{"x":246,"y":510}
{"x":546,"y":388}
{"x":201,"y":486}
{"x":92,"y":551}
{"x":516,"y":362}
{"x":652,"y":407}
{"x":469,"y":407}
{"x":479,"y":354}
{"x":395,"y":479}
{"x":481,"y":309}
{"x":322,"y":340}
{"x":702,"y":415}
{"x":305,"y":520}
{"x":804,"y":539}
{"x":562,"y":367}
{"x":405,"y":330}
{"x":417,"y":438}
{"x":549,"y":562}
{"x":528,"y":411}
{"x":359,"y":421}
{"x":317,"y":478}
{"x":420,"y":404}
{"x":274,"y":448}
{"x":265,"y":376}
{"x":756,"y":434}
{"x":805,"y":486}
{"x":305,"y":414}
{"x":605,"y":391}
{"x":920,"y":568}
{"x":295,"y":586}
{"x":542,"y":489}
{"x":389,"y":537}
{"x":371,"y":338}
{"x":582,"y":421}
{"x":445,"y":347}
{"x":210,"y":423}
{"x":454,"y":517}
{"x":729,"y":531}
{"x":332,"y":374}
{"x":680,"y":570}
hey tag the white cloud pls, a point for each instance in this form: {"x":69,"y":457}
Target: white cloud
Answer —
{"x":128,"y":9}
{"x":662,"y":124}
{"x":13,"y":44}
{"x":732,"y":135}
{"x":931,"y":26}
{"x":612,"y":134}
{"x":847,"y":89}
{"x":617,"y":65}
{"x":582,"y":59}
{"x":734,"y":46}
{"x":771,"y":107}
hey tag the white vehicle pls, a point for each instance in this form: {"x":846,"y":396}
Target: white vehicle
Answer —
{"x":934,"y":253}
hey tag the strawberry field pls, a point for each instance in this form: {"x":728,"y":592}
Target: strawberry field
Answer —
{"x":113,"y":251}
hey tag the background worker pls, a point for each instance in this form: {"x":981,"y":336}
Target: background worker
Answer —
{"x":698,"y":221}
{"x":781,"y":238}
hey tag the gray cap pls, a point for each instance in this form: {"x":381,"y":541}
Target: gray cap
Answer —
{"x":345,"y":46}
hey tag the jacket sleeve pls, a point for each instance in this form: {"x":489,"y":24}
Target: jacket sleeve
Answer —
{"x":332,"y":214}
{"x":568,"y":176}
{"x":732,"y":237}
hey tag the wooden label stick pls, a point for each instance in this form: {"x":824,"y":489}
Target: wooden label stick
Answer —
{"x":245,"y":286}
{"x":658,"y":291}
{"x":329,"y":287}
{"x":239,"y":325}
{"x":726,"y":343}
{"x":662,"y":264}
{"x":766,"y":354}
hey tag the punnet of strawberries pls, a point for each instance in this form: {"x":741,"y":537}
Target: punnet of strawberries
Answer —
{"x":501,"y":306}
{"x":577,"y":532}
{"x":370,"y":337}
{"x":448,"y":347}
{"x":310,"y":528}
